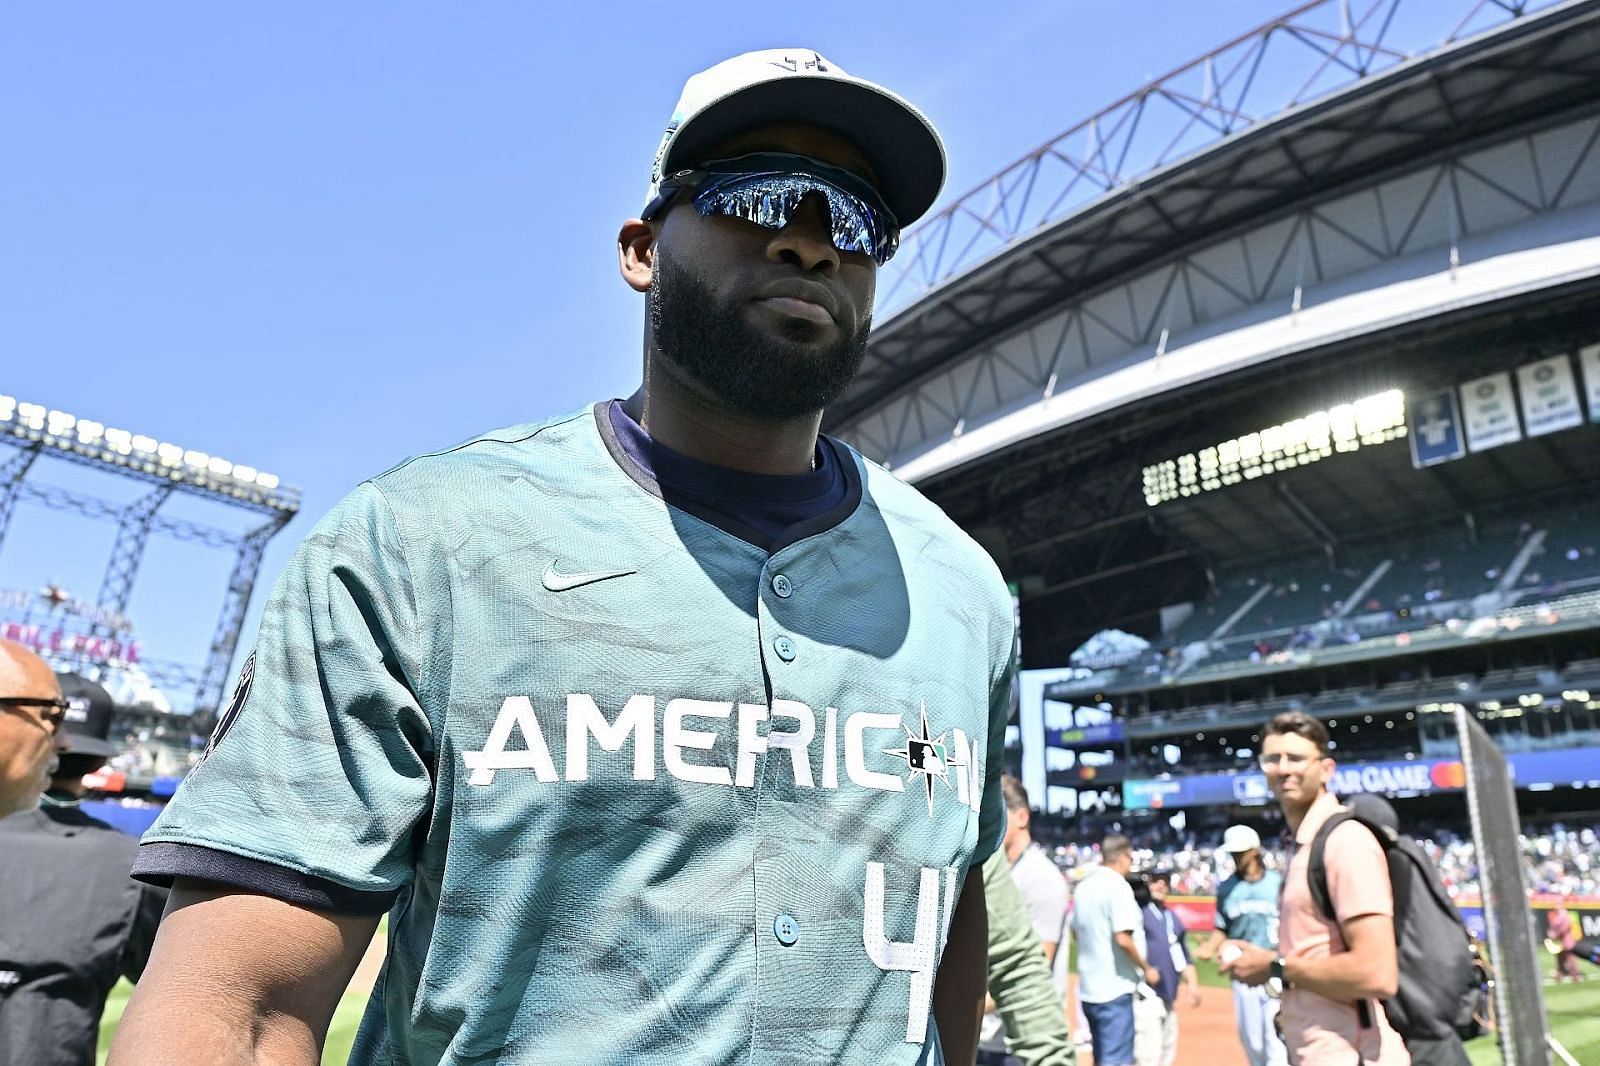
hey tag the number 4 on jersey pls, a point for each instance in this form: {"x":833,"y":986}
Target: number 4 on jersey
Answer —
{"x":919,"y":955}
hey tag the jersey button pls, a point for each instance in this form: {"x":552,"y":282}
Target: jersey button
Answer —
{"x":785,"y":649}
{"x":786,"y":929}
{"x":782,"y":586}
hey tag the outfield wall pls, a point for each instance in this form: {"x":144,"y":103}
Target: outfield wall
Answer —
{"x":1199,"y":912}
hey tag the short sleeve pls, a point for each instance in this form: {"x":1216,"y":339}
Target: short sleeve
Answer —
{"x":321,"y":763}
{"x":1351,"y":855}
{"x":1047,"y":900}
{"x":992,"y":808}
{"x":1125,"y":914}
{"x":1220,"y":922}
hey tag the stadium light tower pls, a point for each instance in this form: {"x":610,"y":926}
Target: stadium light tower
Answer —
{"x":165,"y":468}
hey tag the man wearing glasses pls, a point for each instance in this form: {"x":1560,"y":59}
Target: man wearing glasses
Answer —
{"x":667,"y":731}
{"x":31,"y":740}
{"x":1333,"y":973}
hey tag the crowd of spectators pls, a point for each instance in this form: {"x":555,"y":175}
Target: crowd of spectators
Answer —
{"x":1560,"y":860}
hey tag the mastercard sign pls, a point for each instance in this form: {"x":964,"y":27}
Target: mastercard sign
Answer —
{"x":1448,"y":775}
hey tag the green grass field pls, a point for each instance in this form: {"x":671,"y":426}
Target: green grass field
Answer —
{"x":1574,"y":1018}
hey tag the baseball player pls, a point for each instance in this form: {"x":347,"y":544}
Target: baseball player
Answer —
{"x":666,"y":731}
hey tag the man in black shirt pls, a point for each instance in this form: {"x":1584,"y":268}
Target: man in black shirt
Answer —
{"x":71,"y":919}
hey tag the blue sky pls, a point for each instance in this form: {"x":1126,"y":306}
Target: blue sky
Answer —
{"x":319,"y":238}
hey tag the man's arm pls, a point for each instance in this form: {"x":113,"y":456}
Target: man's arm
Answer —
{"x":1368,"y":970}
{"x":1208,"y":949}
{"x":142,"y":928}
{"x":1129,"y":948}
{"x":239,"y":979}
{"x":958,"y":989}
{"x":1191,"y":983}
{"x":1019,"y":979}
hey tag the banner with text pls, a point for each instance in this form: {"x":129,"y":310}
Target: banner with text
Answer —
{"x":1199,"y":913}
{"x":1413,"y":777}
{"x":1489,"y":412}
{"x":1589,"y":361}
{"x":1085,"y":736}
{"x":1549,"y":396}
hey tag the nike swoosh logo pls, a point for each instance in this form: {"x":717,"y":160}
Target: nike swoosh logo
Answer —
{"x":556,"y":581}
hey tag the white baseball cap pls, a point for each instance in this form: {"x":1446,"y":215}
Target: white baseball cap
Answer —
{"x":1240,"y":838}
{"x":799,"y":85}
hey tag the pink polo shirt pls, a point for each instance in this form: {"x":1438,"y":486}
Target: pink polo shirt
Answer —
{"x":1320,"y":1031}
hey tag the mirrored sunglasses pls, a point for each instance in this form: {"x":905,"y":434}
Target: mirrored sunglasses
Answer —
{"x":768,"y":188}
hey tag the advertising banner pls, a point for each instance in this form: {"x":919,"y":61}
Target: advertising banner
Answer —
{"x":1085,"y":736}
{"x":1549,"y":396}
{"x":1489,"y":412}
{"x":1199,"y":914}
{"x":1435,"y":429}
{"x":1412,"y":777}
{"x":1589,"y":361}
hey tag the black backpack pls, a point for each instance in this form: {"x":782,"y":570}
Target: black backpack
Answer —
{"x":1440,"y":981}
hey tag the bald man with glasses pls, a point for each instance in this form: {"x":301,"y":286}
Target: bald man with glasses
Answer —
{"x":31,"y":739}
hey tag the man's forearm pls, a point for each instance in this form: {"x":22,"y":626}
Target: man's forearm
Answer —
{"x":958,"y":991}
{"x":1019,"y":979}
{"x":1344,"y":978}
{"x":1130,"y":949}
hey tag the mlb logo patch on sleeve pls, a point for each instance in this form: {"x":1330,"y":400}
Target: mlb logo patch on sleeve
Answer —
{"x":225,"y":720}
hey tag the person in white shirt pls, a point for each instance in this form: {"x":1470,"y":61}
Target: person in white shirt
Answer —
{"x":1111,"y":952}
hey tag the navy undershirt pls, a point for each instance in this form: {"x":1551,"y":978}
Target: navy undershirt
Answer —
{"x":758,"y":508}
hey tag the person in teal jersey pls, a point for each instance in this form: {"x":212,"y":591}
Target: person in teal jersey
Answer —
{"x":1247,"y":910}
{"x":665,"y":731}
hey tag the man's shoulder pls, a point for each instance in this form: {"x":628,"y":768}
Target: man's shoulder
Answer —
{"x":72,"y":827}
{"x":1349,"y":839}
{"x":538,"y":449}
{"x":903,"y":506}
{"x":1100,"y":885}
{"x":1036,"y":866}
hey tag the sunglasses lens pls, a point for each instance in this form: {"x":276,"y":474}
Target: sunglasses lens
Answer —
{"x":771,"y":200}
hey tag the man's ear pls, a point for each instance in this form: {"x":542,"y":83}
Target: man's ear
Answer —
{"x":636,"y":253}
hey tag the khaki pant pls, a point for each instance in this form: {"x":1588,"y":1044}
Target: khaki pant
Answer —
{"x":1155,"y":1032}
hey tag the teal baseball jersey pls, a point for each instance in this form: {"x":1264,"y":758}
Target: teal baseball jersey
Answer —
{"x":1248,"y":910}
{"x":641,"y":792}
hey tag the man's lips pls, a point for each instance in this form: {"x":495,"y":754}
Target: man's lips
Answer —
{"x":809,"y":300}
{"x":795,"y":307}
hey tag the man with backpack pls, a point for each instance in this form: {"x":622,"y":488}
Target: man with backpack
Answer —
{"x":1334,"y":972}
{"x":1436,"y":1040}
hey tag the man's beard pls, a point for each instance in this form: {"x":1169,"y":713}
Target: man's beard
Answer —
{"x":757,"y":373}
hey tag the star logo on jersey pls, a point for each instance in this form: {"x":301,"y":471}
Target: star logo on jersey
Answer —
{"x":924,"y":755}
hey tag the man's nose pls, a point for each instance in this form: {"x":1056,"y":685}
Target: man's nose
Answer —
{"x":807,"y":241}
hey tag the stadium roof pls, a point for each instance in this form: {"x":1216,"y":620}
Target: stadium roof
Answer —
{"x":998,"y":268}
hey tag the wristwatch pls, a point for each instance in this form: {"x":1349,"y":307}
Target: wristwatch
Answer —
{"x":1278,"y":973}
